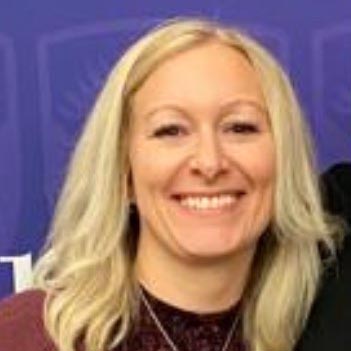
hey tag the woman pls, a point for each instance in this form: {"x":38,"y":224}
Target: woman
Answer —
{"x":198,"y":137}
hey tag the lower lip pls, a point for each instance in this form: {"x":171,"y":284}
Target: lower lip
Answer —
{"x":210,"y":212}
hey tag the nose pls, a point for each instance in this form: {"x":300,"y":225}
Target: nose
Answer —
{"x":209,"y":159}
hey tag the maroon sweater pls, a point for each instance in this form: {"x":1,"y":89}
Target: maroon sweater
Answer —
{"x":22,"y":329}
{"x":21,"y":323}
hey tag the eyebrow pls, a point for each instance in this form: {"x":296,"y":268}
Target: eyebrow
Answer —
{"x":225,"y":108}
{"x":157,"y":109}
{"x":243,"y":102}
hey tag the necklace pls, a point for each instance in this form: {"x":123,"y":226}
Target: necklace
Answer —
{"x":166,"y":336}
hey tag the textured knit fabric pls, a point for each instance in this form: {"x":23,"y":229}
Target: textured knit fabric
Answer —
{"x":189,"y":331}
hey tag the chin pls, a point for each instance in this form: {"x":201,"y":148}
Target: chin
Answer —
{"x":210,"y":247}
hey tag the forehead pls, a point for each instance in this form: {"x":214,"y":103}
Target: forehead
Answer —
{"x":206,"y":74}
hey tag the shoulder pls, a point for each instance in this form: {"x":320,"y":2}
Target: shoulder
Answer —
{"x":28,"y":302}
{"x":336,"y":188}
{"x":328,"y":326}
{"x":21,"y":323}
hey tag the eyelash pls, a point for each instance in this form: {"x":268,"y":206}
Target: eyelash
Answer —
{"x":242,"y":128}
{"x":171,"y":130}
{"x":174,"y":130}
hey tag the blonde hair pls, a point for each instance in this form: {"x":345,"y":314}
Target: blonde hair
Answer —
{"x":87,"y":265}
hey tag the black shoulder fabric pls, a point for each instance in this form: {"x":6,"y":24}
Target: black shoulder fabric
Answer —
{"x":336,"y":188}
{"x":328,"y":327}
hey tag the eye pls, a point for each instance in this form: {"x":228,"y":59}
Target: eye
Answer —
{"x":171,"y":130}
{"x":241,"y":128}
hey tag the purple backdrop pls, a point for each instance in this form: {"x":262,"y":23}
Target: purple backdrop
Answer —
{"x":54,"y":57}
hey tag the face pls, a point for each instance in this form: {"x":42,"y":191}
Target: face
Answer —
{"x":202,"y":155}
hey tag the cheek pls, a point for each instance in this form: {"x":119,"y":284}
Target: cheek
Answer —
{"x":257,"y":162}
{"x":265,"y":168}
{"x":263,"y":174}
{"x":153,"y":169}
{"x":269,"y":167}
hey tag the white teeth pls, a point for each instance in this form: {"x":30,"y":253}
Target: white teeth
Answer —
{"x":204,"y":202}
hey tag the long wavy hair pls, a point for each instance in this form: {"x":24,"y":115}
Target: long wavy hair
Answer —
{"x":87,"y":266}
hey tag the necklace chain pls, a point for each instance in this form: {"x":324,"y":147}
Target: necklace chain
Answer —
{"x":169,"y":339}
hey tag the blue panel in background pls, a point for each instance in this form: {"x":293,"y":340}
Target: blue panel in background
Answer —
{"x":332,"y":77}
{"x":10,"y":153}
{"x":73,"y":65}
{"x":6,"y":286}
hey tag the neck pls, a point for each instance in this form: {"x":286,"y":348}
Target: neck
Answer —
{"x":204,"y":285}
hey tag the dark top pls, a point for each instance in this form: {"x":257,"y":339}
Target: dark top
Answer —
{"x":188,"y":330}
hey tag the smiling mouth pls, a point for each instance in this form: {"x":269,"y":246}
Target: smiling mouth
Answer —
{"x":209,"y":202}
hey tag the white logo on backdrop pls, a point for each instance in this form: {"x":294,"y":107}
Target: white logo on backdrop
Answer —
{"x":21,"y":270}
